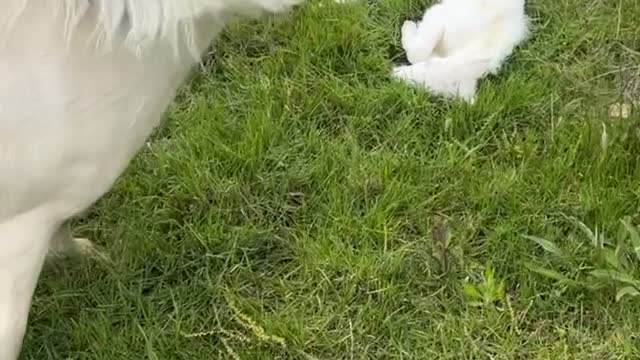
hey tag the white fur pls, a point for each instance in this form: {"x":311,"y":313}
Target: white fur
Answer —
{"x":458,"y":42}
{"x":83,"y":84}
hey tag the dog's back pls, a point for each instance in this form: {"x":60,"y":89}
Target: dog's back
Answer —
{"x":85,"y":81}
{"x":71,"y":118}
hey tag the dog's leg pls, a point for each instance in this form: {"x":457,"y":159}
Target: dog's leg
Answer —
{"x":420,"y":40}
{"x":408,"y":34}
{"x":63,"y":244}
{"x":467,"y":90}
{"x":24,"y":241}
{"x":414,"y":75}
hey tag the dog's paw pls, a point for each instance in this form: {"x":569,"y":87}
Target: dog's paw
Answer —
{"x":467,"y":91}
{"x":85,"y":247}
{"x":409,"y":27}
{"x":72,"y":247}
{"x":408,"y":33}
{"x":403,"y":73}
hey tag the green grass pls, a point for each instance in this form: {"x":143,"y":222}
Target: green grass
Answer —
{"x":289,"y":208}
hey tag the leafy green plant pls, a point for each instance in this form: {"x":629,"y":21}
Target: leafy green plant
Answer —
{"x":486,"y":293}
{"x":607,"y":263}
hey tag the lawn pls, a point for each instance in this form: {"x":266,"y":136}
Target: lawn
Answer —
{"x":300,"y":205}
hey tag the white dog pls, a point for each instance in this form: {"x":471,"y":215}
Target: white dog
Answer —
{"x":459,"y":41}
{"x":82,"y":85}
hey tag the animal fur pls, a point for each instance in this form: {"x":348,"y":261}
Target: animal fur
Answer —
{"x":84,"y":82}
{"x":460,"y":41}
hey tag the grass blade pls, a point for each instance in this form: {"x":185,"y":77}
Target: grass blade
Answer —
{"x":551,"y":274}
{"x":634,"y":236}
{"x":627,"y":290}
{"x":615,"y":276}
{"x":611,"y":257}
{"x":545,"y":244}
{"x":593,"y":237}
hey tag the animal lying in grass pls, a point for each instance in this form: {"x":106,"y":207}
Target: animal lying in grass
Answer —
{"x":460,"y":41}
{"x":83,"y":84}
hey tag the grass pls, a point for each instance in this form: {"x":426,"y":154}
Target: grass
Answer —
{"x":300,"y":205}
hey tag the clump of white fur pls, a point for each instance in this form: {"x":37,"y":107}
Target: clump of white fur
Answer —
{"x":460,"y":41}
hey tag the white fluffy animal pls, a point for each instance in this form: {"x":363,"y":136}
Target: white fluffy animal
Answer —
{"x":458,"y":42}
{"x":82,"y":85}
